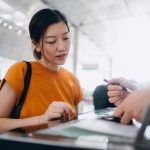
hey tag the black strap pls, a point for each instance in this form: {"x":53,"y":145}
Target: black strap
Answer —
{"x":16,"y":111}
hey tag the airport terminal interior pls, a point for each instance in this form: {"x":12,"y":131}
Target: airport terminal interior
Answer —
{"x":109,"y":38}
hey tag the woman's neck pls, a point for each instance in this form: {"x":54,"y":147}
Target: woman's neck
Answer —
{"x":49,"y":65}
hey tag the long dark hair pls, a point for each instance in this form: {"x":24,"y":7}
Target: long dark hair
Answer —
{"x":40,"y":22}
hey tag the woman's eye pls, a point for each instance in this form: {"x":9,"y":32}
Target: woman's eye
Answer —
{"x":52,"y":42}
{"x":65,"y":38}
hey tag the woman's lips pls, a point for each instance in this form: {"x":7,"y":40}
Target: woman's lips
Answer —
{"x":62,"y":56}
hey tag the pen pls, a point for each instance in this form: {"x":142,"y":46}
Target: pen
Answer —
{"x":85,"y":112}
{"x":124,"y":88}
{"x":106,"y":80}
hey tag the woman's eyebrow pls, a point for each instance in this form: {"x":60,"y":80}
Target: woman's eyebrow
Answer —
{"x":66,"y":33}
{"x":52,"y":36}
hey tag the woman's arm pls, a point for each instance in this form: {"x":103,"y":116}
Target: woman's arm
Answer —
{"x":8,"y":98}
{"x":7,"y":124}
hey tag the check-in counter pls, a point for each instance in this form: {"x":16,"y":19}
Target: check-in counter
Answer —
{"x":36,"y":141}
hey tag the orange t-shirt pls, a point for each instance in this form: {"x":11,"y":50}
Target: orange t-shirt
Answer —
{"x":45,"y":87}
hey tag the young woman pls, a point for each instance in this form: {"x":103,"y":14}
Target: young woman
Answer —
{"x":54,"y":92}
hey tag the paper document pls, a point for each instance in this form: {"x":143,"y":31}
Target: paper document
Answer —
{"x":92,"y":127}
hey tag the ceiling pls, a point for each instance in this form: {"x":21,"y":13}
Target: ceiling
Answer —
{"x":118,"y":28}
{"x":92,"y":17}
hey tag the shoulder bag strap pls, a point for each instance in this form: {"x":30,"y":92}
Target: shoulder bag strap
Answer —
{"x":16,"y":111}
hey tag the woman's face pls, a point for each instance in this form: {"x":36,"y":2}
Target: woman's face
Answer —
{"x":56,"y":44}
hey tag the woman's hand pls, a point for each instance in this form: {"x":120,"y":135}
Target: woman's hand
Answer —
{"x":59,"y":111}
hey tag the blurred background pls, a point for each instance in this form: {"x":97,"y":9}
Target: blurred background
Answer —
{"x":110,"y":38}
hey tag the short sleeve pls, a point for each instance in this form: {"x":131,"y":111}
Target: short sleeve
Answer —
{"x":15,"y":77}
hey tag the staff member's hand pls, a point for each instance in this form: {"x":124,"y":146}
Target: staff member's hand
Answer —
{"x":133,"y":106}
{"x":117,"y":90}
{"x":116,"y":94}
{"x":123,"y":82}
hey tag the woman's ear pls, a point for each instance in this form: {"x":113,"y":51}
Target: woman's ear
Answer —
{"x":36,"y":46}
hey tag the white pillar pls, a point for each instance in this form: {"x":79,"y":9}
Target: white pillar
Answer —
{"x":75,"y":50}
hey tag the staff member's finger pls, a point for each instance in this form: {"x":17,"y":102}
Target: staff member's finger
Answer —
{"x":126,"y":118}
{"x":119,"y":111}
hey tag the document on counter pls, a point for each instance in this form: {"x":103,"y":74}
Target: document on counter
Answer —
{"x":91,"y":127}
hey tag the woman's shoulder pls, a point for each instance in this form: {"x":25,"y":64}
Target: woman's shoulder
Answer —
{"x":18,"y":67}
{"x":69,"y":73}
{"x":19,"y":64}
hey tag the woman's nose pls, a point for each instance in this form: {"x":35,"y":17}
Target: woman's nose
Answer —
{"x":61,"y":46}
